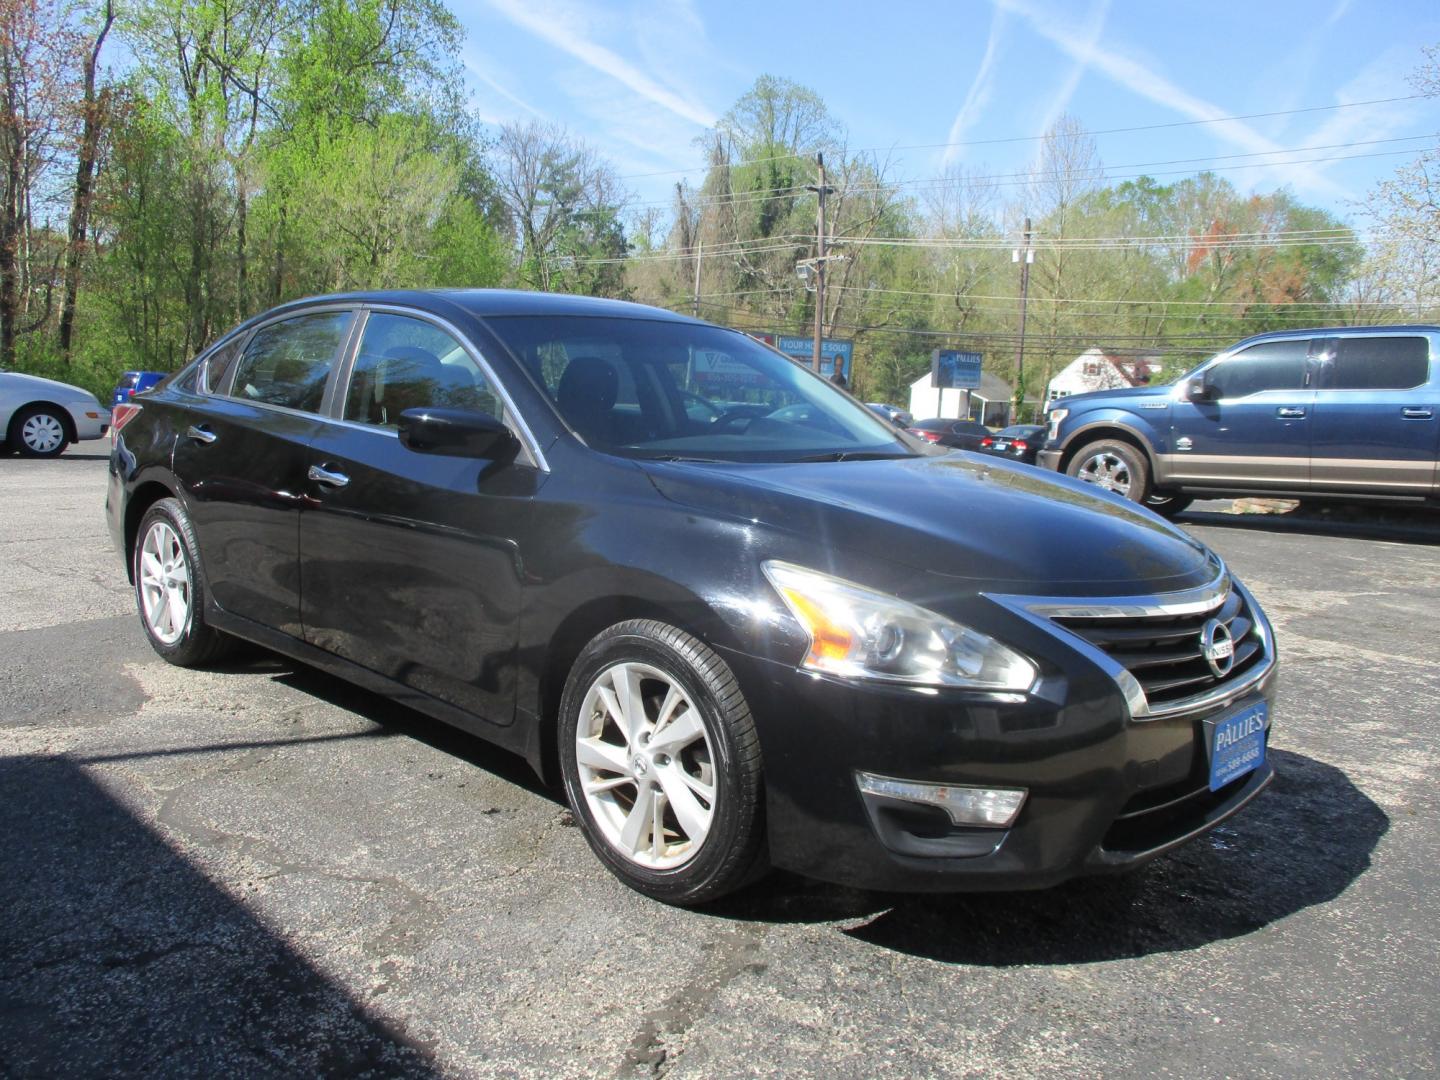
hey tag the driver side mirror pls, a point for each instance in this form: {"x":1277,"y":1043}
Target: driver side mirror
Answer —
{"x":1202,"y":387}
{"x":455,"y":432}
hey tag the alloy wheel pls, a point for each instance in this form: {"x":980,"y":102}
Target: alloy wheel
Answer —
{"x":646,"y":766}
{"x":165,"y":590}
{"x":1107,"y":469}
{"x":42,"y":433}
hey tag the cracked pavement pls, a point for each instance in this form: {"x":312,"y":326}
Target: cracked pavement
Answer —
{"x":260,"y":870}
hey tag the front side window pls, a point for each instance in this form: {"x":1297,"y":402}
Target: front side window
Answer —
{"x":651,"y":388}
{"x":1380,"y":363}
{"x":1270,"y":365}
{"x":287,"y":363}
{"x":406,"y":363}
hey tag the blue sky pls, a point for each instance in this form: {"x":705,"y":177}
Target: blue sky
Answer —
{"x":641,"y":79}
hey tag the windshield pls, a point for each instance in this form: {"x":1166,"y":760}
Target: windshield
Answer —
{"x":647,"y":388}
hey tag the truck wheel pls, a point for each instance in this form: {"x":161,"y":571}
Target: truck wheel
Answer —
{"x":1169,"y":506}
{"x":1116,"y":466}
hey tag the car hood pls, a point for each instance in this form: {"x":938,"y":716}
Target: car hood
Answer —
{"x":1004,"y":527}
{"x":1100,"y":397}
{"x":51,"y":387}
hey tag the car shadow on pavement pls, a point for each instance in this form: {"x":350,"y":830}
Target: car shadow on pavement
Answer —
{"x":397,"y":719}
{"x":118,"y":957}
{"x":1302,"y":843}
{"x":1410,"y":526}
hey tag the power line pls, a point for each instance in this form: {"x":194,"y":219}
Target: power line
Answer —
{"x":1015,"y":179}
{"x":1038,"y":138}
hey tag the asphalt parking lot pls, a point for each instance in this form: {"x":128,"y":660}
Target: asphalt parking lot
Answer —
{"x":262,"y":871}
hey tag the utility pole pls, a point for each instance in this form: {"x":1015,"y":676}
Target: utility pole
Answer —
{"x":821,"y":191}
{"x":1024,"y":255}
{"x":699,"y":254}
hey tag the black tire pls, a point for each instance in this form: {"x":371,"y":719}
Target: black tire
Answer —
{"x":23,"y":440}
{"x":732,"y":852}
{"x":1132,"y":470}
{"x":197,"y":643}
{"x":1169,"y":506}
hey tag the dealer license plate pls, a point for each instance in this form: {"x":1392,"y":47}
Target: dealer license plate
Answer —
{"x":1237,"y":744}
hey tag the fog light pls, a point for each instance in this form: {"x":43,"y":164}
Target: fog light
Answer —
{"x":995,"y":807}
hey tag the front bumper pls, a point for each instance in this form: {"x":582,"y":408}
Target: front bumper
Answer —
{"x":1049,"y":459}
{"x":1105,"y":792}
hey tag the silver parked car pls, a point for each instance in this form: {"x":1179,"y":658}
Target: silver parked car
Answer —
{"x":40,"y":417}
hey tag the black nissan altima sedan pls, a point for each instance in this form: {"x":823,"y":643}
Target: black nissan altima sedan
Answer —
{"x":774,"y":631}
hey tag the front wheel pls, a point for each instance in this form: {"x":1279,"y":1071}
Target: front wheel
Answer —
{"x":168,"y":589}
{"x":38,"y":432}
{"x":662,"y":763}
{"x":1115,"y":466}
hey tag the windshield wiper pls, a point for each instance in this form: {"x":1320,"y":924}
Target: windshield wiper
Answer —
{"x":855,"y":455}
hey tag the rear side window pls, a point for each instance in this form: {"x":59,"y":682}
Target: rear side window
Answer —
{"x":1270,"y":365}
{"x":1380,"y":363}
{"x":287,"y":363}
{"x":217,"y":365}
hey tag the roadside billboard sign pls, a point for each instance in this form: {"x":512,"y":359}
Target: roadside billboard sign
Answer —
{"x":832,"y":352}
{"x":954,"y":370}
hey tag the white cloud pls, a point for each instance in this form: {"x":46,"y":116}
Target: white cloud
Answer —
{"x":481,"y":69}
{"x":981,"y":88}
{"x":1090,"y":35}
{"x":1140,"y":79}
{"x":562,"y":27}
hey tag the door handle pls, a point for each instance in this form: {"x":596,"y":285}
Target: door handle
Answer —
{"x":1290,"y":412}
{"x":201,"y":433}
{"x":323,"y":475}
{"x":1416,"y":413}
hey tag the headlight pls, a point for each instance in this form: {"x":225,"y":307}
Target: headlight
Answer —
{"x":862,"y":634}
{"x":1053,"y":418}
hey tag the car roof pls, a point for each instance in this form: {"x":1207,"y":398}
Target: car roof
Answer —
{"x":490,"y":303}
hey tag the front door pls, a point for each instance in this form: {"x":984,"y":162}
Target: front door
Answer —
{"x":241,"y":463}
{"x":1255,"y":431}
{"x":1377,"y":417}
{"x":410,"y":565}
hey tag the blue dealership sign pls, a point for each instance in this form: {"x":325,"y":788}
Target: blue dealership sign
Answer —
{"x":952,"y":370}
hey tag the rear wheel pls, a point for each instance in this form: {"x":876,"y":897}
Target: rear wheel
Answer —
{"x":662,"y":763}
{"x":38,"y":432}
{"x":168,"y":589}
{"x":1115,"y":466}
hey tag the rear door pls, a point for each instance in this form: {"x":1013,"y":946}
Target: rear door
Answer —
{"x":410,"y":562}
{"x":1377,"y":416}
{"x":1256,"y":431}
{"x":241,"y":460}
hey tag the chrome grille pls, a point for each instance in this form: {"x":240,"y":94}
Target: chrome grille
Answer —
{"x":1163,"y":651}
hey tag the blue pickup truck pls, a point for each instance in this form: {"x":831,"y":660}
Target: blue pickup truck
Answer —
{"x":1348,"y":413}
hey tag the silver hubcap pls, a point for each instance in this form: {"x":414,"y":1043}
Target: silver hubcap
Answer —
{"x":646,"y":766}
{"x":1108,"y":470}
{"x":42,"y":433}
{"x":164,"y":584}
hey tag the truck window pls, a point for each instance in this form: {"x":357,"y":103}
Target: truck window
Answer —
{"x":1270,"y":365}
{"x":1380,"y":363}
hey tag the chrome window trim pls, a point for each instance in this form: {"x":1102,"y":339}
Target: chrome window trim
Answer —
{"x":532,"y":444}
{"x":1041,"y":611}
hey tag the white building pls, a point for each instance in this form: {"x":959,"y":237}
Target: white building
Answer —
{"x":989,"y":402}
{"x":1095,"y":369}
